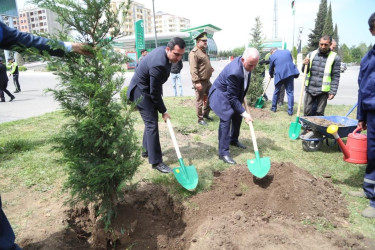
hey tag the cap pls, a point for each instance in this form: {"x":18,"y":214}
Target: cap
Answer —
{"x":201,"y":36}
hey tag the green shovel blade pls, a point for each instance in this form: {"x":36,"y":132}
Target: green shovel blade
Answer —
{"x":259,"y":103}
{"x":259,"y":167}
{"x":294,"y":129}
{"x":187,"y":176}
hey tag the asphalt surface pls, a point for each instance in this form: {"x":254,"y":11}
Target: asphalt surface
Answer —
{"x":34,"y":101}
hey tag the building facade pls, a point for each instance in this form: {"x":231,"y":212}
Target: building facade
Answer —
{"x":33,"y":19}
{"x":170,"y":23}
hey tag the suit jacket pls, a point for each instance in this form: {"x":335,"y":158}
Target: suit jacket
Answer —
{"x":3,"y":76}
{"x":227,"y":93}
{"x":149,"y":77}
{"x":282,"y":66}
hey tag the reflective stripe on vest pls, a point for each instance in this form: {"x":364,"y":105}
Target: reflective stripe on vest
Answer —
{"x":327,"y":79}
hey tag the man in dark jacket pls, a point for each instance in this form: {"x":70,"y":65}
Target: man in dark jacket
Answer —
{"x":147,"y":86}
{"x":283,"y":70}
{"x":226,"y":97}
{"x":176,"y":76}
{"x":322,"y":80}
{"x":4,"y":82}
{"x":366,"y":120}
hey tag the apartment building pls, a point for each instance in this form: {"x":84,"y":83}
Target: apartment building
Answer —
{"x":166,"y":22}
{"x":34,"y":19}
{"x":136,"y":12}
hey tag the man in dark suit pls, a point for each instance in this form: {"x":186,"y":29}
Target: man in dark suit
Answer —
{"x":284,"y":71}
{"x":147,"y":85}
{"x":226,"y":97}
{"x":4,"y":82}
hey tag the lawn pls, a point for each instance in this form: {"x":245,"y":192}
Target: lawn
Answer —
{"x":29,"y":164}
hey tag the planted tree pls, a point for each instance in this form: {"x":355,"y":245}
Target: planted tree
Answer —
{"x":99,"y":145}
{"x":257,"y":75}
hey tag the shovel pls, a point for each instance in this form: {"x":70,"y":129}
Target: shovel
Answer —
{"x":295,"y":127}
{"x":260,"y":102}
{"x":259,"y":167}
{"x":187,"y":176}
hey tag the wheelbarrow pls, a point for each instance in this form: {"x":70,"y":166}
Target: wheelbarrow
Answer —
{"x":314,"y":141}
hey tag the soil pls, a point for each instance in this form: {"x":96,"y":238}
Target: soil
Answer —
{"x":323,"y":122}
{"x":287,"y":209}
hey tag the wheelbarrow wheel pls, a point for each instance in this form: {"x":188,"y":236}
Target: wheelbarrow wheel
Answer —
{"x":312,"y":146}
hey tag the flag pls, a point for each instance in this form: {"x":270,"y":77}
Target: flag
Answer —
{"x":293,"y":7}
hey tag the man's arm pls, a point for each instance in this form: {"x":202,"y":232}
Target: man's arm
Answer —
{"x":156,"y":88}
{"x":335,"y":75}
{"x":12,"y":39}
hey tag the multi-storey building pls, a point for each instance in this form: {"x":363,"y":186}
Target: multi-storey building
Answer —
{"x":166,"y":22}
{"x":136,"y":12}
{"x":34,"y":19}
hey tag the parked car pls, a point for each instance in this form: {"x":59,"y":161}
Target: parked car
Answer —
{"x":343,"y":67}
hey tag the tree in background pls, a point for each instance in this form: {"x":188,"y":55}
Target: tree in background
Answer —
{"x":317,"y":32}
{"x":336,"y":35}
{"x":257,"y":75}
{"x":238,"y":51}
{"x":294,"y":54}
{"x":99,"y":144}
{"x":328,"y":25}
{"x":346,"y":55}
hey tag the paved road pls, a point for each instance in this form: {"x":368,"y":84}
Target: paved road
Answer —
{"x":33,"y":101}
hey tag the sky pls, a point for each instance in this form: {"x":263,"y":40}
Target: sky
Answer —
{"x":236,"y":18}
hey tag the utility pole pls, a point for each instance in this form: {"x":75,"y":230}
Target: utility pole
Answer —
{"x":275,"y":21}
{"x":156,"y":36}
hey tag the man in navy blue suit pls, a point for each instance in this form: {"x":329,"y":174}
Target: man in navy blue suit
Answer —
{"x":147,"y":86}
{"x":284,"y":71}
{"x":226,"y":97}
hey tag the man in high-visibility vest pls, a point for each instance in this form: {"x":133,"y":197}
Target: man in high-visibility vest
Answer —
{"x":322,"y":80}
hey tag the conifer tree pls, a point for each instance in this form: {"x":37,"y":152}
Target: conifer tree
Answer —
{"x":336,"y":35}
{"x":317,"y":32}
{"x":257,"y":75}
{"x":99,"y":145}
{"x":328,"y":25}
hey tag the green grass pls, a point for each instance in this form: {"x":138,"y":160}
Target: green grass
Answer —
{"x":27,"y":159}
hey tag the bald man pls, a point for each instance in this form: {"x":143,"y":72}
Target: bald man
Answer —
{"x":226,"y":96}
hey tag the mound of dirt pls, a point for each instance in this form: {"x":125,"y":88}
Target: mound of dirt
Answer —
{"x":284,"y":210}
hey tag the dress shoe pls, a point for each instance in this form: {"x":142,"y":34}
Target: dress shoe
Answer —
{"x":17,"y":91}
{"x":290,"y":114}
{"x":238,"y":144}
{"x":227,"y":159}
{"x":2,"y":100}
{"x":12,"y":98}
{"x":161,"y":167}
{"x":369,"y":212}
{"x":202,"y":122}
{"x":208,"y":117}
{"x":273,"y":110}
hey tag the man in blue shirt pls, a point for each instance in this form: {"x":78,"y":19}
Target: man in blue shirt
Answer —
{"x":366,"y":120}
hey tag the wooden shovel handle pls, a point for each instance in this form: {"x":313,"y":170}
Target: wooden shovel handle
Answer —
{"x":174,"y":139}
{"x":302,"y":89}
{"x":264,"y":91}
{"x":252,"y":132}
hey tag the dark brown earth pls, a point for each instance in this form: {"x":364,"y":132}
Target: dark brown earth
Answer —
{"x":323,"y":122}
{"x":288,"y":209}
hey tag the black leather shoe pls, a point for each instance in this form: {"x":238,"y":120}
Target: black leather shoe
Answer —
{"x":161,"y":167}
{"x":2,"y":100}
{"x":202,"y":122}
{"x":12,"y":98}
{"x":208,"y":117}
{"x":273,"y":110}
{"x":17,"y":91}
{"x":227,"y":159}
{"x":238,"y":144}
